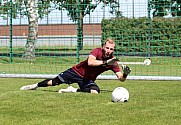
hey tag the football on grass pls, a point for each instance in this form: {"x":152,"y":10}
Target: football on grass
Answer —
{"x":120,"y":94}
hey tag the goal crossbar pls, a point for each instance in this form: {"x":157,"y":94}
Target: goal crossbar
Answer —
{"x":145,"y":62}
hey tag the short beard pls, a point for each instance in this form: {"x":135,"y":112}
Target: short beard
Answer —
{"x":104,"y":55}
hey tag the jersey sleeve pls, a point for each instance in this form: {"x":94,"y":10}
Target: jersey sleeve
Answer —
{"x":94,"y":52}
{"x":116,"y":68}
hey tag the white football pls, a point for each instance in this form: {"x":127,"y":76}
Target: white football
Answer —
{"x":120,"y":94}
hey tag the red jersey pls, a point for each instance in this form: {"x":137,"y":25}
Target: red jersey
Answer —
{"x":91,"y":72}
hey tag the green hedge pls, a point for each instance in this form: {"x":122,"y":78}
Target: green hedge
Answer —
{"x":133,"y":36}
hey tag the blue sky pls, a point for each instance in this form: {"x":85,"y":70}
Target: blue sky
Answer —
{"x":138,"y":9}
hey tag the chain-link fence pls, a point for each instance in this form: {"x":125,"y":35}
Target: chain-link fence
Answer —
{"x":46,"y":37}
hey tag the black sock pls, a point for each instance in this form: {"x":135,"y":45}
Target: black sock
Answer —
{"x":43,"y":83}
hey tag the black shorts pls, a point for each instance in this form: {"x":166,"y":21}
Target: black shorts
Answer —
{"x":69,"y":77}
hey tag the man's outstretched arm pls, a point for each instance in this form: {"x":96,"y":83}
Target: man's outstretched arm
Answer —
{"x":93,"y":62}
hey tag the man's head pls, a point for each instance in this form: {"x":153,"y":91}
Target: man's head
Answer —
{"x":108,"y":48}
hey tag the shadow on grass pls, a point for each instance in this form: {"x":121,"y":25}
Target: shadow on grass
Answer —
{"x":48,"y":90}
{"x":105,"y":91}
{"x":102,"y":90}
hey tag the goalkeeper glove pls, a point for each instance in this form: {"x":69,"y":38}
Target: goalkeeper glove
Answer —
{"x":126,"y":70}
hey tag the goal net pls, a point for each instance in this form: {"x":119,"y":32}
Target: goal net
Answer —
{"x":148,"y":39}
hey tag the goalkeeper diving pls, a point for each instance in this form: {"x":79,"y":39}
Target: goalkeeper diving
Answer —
{"x":85,"y":73}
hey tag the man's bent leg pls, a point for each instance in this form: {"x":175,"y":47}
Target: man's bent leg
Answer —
{"x":50,"y":82}
{"x":44,"y":83}
{"x":94,"y":89}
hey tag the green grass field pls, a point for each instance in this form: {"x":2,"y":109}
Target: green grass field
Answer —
{"x":150,"y":103}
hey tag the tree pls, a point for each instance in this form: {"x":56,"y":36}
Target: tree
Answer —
{"x":176,"y":8}
{"x":166,"y":7}
{"x":77,"y":9}
{"x":33,"y":29}
{"x":26,"y":8}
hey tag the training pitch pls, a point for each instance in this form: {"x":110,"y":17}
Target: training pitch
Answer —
{"x":150,"y":103}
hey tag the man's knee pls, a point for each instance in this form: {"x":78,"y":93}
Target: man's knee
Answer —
{"x":94,"y":89}
{"x":56,"y":81}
